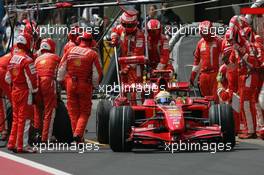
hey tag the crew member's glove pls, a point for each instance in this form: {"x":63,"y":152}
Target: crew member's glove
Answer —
{"x":192,"y":78}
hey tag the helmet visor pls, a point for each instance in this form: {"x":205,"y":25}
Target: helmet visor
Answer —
{"x":129,"y":25}
{"x":164,"y":101}
{"x":154,"y":32}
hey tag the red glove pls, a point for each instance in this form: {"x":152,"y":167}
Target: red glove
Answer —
{"x":193,"y":76}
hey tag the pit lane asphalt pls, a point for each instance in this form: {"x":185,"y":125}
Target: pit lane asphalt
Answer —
{"x":247,"y":158}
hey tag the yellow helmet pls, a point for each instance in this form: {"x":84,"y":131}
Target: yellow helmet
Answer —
{"x":163,"y":97}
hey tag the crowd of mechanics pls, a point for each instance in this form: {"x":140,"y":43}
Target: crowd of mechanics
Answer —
{"x":227,"y":68}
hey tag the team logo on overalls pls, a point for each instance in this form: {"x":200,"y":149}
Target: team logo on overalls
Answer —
{"x":14,"y":72}
{"x":203,"y":47}
{"x":43,"y":62}
{"x":77,"y":62}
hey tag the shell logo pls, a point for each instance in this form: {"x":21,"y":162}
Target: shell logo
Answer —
{"x":43,"y":62}
{"x":203,"y":47}
{"x":77,"y":62}
{"x":174,"y":113}
{"x":14,"y":72}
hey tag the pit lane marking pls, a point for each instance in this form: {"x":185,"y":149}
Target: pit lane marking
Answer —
{"x":93,"y":141}
{"x":32,"y":164}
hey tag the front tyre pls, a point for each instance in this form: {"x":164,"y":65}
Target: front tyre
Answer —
{"x":120,"y":127}
{"x":222,"y":115}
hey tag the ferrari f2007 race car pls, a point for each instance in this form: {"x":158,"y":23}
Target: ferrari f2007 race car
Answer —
{"x":126,"y":125}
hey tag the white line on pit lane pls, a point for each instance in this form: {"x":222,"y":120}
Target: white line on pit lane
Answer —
{"x":33,"y":164}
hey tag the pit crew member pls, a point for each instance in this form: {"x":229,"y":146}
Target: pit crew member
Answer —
{"x":4,"y":91}
{"x":131,"y":41}
{"x":83,"y":68}
{"x":248,"y":81}
{"x":206,"y":60}
{"x":22,"y":76}
{"x":46,"y":65}
{"x":158,"y":45}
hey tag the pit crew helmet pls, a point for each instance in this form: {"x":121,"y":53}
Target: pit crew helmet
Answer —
{"x":163,"y":98}
{"x":86,"y":39}
{"x":154,"y":28}
{"x":205,"y":29}
{"x":24,"y":41}
{"x":30,"y":27}
{"x":74,"y":33}
{"x":234,"y":36}
{"x":87,"y":36}
{"x":47,"y":45}
{"x":129,"y":21}
{"x":238,"y":22}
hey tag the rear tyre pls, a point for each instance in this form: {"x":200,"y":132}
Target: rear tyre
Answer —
{"x":102,"y":121}
{"x":222,"y":114}
{"x":120,"y":127}
{"x":62,"y":129}
{"x":9,"y":115}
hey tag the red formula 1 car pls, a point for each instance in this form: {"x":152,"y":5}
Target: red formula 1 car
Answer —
{"x":185,"y":119}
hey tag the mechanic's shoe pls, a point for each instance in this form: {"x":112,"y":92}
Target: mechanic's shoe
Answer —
{"x":260,"y":133}
{"x":35,"y":138}
{"x":253,"y":136}
{"x":53,"y":139}
{"x":4,"y":136}
{"x":11,"y":148}
{"x":248,"y":136}
{"x":27,"y":149}
{"x":78,"y":139}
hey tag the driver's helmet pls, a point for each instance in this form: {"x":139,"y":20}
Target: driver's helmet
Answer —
{"x":163,"y":98}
